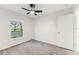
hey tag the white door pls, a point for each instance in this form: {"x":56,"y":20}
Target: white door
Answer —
{"x":65,"y":31}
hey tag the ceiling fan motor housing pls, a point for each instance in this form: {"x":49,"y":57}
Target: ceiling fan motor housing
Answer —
{"x":32,"y":5}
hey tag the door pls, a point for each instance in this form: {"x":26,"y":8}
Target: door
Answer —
{"x":65,"y":31}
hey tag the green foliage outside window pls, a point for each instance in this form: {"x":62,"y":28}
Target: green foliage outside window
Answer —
{"x":16,"y":29}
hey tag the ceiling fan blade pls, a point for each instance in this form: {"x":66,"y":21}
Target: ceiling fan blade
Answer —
{"x":28,"y":13}
{"x":25,"y":9}
{"x":35,"y":14}
{"x":38,"y":11}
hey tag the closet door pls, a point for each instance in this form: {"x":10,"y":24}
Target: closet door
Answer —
{"x":65,"y":31}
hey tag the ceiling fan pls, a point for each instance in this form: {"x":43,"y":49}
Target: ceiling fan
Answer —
{"x":32,"y":11}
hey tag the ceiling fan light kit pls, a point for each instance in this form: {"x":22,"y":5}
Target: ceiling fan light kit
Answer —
{"x":32,"y":11}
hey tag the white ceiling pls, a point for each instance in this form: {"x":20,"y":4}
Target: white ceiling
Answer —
{"x":47,"y":8}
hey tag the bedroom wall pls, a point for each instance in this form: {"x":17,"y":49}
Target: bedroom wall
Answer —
{"x":45,"y":29}
{"x":5,"y":17}
{"x":76,"y":30}
{"x":46,"y":26}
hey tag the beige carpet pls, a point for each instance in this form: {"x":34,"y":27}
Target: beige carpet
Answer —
{"x":34,"y":47}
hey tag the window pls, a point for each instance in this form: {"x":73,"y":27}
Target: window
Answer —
{"x":16,"y":29}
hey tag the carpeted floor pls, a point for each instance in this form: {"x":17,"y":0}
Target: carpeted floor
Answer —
{"x":34,"y":47}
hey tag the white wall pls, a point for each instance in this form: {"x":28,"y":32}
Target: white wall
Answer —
{"x":5,"y":17}
{"x":45,"y":29}
{"x":76,"y":29}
